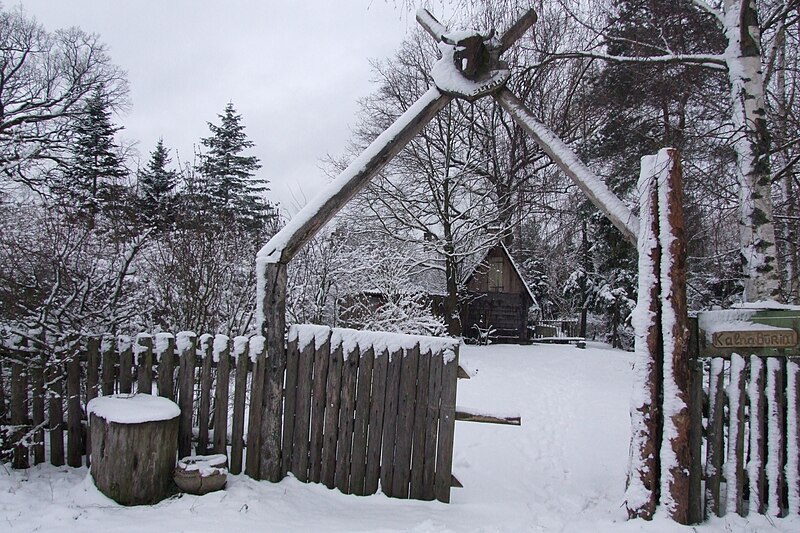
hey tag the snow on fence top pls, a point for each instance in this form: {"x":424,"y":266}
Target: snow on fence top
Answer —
{"x":220,"y":345}
{"x":162,"y":344}
{"x":239,"y":346}
{"x":257,"y":344}
{"x":380,"y":341}
{"x":133,"y":408}
{"x":183,"y":340}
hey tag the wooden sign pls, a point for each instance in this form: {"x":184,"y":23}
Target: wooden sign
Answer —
{"x":772,"y":338}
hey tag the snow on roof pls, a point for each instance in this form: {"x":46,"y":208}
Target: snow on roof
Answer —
{"x":502,"y":246}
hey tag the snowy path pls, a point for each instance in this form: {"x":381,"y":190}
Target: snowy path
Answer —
{"x":562,"y":470}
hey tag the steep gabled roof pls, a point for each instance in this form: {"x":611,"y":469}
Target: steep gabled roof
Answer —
{"x":482,"y":262}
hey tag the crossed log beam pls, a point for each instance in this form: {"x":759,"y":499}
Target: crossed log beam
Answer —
{"x":470,"y":68}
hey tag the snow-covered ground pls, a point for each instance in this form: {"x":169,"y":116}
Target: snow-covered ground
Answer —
{"x":562,"y":470}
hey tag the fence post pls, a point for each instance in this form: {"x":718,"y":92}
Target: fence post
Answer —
{"x":274,"y":324}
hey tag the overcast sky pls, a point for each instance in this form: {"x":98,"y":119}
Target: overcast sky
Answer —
{"x":294,"y":71}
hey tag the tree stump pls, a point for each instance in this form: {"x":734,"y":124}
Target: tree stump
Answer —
{"x":134,"y":446}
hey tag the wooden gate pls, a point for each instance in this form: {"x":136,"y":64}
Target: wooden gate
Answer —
{"x":363,"y":409}
{"x":752,"y":434}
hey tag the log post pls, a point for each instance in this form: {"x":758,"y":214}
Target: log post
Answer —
{"x":273,"y":327}
{"x":642,"y":493}
{"x":675,"y":449}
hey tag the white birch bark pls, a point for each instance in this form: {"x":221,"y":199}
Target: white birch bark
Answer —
{"x":757,"y":231}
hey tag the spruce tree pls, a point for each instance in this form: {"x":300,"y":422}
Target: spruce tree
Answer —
{"x":229,"y":187}
{"x":91,"y":180}
{"x":157,"y":188}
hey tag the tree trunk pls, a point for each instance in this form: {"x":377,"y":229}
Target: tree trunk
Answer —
{"x":752,"y":146}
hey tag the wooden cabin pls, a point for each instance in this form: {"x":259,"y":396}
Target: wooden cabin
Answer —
{"x":497,"y":299}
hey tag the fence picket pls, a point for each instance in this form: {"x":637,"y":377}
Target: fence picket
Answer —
{"x":240,"y":356}
{"x":432,"y":426}
{"x":19,"y":412}
{"x":109,"y":366}
{"x":347,"y":405}
{"x":206,"y":354}
{"x":143,"y":351}
{"x":376,"y":416}
{"x":303,"y":412}
{"x":405,"y":422}
{"x":125,"y":364}
{"x":420,"y":414}
{"x":74,"y":427}
{"x":289,"y":402}
{"x":358,"y":457}
{"x":775,"y":460}
{"x":390,"y":420}
{"x":55,"y":416}
{"x":755,"y":464}
{"x":257,"y":352}
{"x":322,"y":355}
{"x":37,"y":407}
{"x":222,"y":356}
{"x":447,"y":420}
{"x":331,"y":424}
{"x":165,"y":357}
{"x":735,"y":463}
{"x":714,"y":452}
{"x":187,"y":349}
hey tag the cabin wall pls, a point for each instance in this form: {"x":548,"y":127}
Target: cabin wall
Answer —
{"x":506,"y":314}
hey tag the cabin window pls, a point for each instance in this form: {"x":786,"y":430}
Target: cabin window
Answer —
{"x":496,"y":274}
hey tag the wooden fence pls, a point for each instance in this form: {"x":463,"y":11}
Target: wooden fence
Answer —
{"x":750,"y":435}
{"x":370,"y":408}
{"x":383,"y":400}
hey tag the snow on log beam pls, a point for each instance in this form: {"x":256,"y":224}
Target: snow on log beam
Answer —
{"x":305,"y":224}
{"x":465,"y":414}
{"x":430,"y":24}
{"x":592,"y":186}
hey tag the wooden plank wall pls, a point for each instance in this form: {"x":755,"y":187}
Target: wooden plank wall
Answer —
{"x":359,"y":408}
{"x":752,"y":435}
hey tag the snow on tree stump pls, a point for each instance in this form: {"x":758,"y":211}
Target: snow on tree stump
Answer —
{"x":134,"y":446}
{"x":201,"y":474}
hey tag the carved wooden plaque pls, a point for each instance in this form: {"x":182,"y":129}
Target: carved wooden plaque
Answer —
{"x":783,"y":338}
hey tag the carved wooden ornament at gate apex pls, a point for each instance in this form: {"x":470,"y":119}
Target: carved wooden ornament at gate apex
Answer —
{"x":470,"y":66}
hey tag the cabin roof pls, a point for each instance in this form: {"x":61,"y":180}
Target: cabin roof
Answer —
{"x":505,"y":251}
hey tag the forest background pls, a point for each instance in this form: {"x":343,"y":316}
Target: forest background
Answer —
{"x":93,"y":239}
